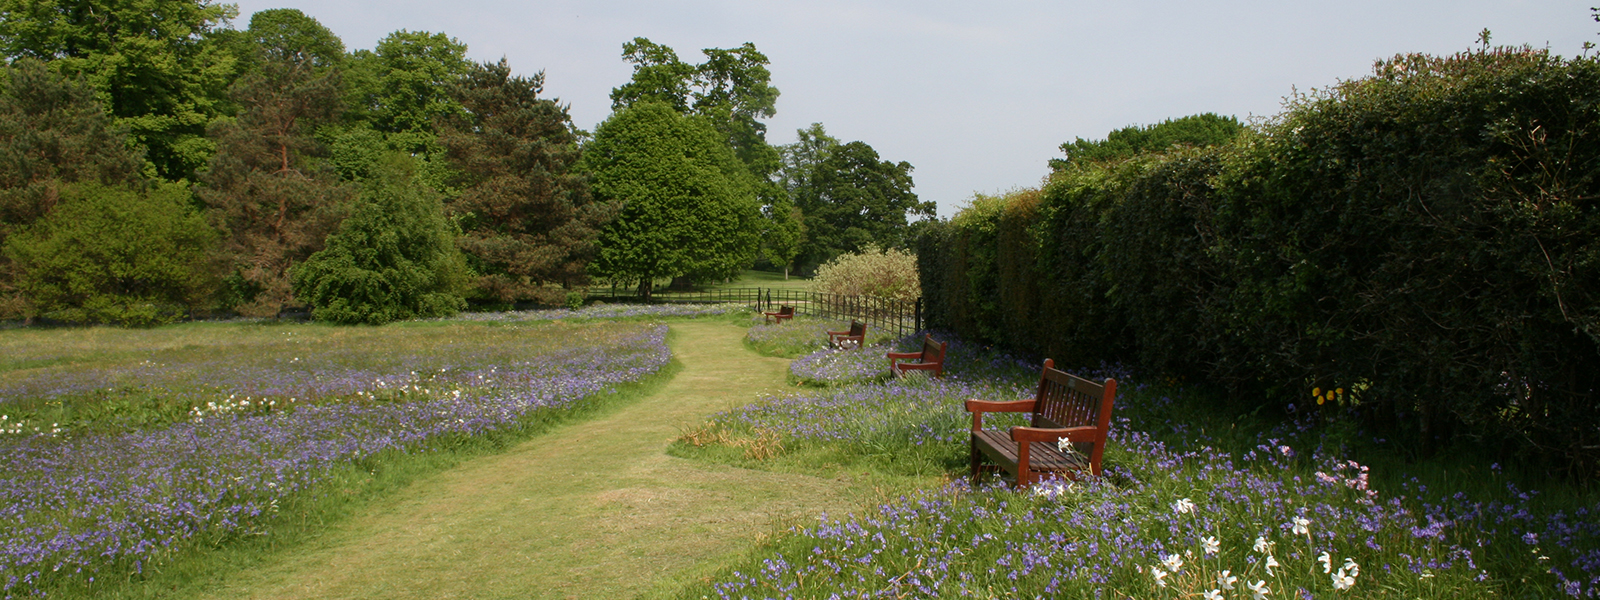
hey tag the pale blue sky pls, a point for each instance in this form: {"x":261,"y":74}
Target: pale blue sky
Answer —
{"x":977,"y":97}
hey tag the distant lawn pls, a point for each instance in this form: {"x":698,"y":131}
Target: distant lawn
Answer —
{"x":752,"y":278}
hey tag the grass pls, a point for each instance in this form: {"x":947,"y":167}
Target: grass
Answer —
{"x":1193,"y":494}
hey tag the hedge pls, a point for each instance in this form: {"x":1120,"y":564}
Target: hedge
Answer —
{"x":1423,"y":239}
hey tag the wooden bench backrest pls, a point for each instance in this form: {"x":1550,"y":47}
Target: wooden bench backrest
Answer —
{"x":786,"y":310}
{"x":858,"y":328}
{"x":932,"y":352}
{"x":1066,"y":400}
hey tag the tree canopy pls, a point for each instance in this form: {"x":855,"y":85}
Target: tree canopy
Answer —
{"x":1201,"y":130}
{"x":687,"y":207}
{"x":159,"y":65}
{"x":850,"y":198}
{"x":526,"y":215}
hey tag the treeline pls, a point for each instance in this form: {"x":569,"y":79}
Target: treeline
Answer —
{"x":1419,"y":247}
{"x":157,"y":163}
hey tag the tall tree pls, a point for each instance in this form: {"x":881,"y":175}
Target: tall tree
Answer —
{"x":733,"y":88}
{"x":53,"y":132}
{"x":400,"y":89}
{"x":686,"y":203}
{"x":268,"y":187}
{"x":158,"y":64}
{"x":526,"y":216}
{"x":850,"y":198}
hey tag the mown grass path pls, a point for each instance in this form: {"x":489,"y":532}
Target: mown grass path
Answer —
{"x":590,"y":510}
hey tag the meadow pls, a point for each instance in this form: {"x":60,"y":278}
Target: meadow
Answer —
{"x":1196,"y":502}
{"x":125,"y":450}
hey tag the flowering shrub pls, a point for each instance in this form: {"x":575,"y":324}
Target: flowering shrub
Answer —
{"x":884,"y":273}
{"x":72,"y":504}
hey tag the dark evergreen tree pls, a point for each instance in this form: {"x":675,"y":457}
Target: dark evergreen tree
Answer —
{"x":526,"y":216}
{"x":268,"y":187}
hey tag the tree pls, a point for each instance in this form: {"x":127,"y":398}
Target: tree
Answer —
{"x":116,"y":255}
{"x":849,"y":197}
{"x":52,"y":133}
{"x":267,"y":187}
{"x":783,"y":234}
{"x":527,"y":218}
{"x":686,"y":203}
{"x":158,"y":64}
{"x":395,"y":258}
{"x":733,"y":88}
{"x":400,"y":89}
{"x":1195,"y":130}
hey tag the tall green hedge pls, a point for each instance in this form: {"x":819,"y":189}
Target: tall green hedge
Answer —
{"x":1426,"y":239}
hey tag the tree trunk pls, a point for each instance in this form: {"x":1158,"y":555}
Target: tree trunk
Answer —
{"x":645,"y":287}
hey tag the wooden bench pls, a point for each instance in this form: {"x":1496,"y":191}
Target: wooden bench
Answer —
{"x":855,"y":338}
{"x":931,"y":358}
{"x":1066,"y":407}
{"x":784,"y":312}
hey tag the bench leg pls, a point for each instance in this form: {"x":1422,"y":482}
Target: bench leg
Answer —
{"x":977,"y":460}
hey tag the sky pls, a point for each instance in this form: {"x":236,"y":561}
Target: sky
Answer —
{"x":977,"y":97}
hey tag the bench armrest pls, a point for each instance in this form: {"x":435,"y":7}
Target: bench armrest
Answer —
{"x":983,"y":406}
{"x":978,"y":407}
{"x":916,"y":355}
{"x":1052,"y":435}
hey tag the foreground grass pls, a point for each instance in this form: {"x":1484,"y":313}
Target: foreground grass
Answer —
{"x":1198,"y":502}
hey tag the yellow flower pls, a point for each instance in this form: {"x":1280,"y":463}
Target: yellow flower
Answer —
{"x":1339,"y":391}
{"x":1319,"y":400}
{"x":1316,"y":391}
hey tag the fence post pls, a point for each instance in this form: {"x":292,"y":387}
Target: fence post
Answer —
{"x":918,"y":321}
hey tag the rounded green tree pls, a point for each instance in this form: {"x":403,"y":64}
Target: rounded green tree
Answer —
{"x":688,"y":206}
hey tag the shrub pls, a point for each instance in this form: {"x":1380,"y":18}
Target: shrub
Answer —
{"x":888,"y":273}
{"x":116,"y":255}
{"x":395,"y":258}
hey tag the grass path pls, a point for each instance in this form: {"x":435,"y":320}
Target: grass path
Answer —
{"x":590,"y":510}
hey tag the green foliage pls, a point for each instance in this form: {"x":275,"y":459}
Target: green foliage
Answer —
{"x":1195,"y":130}
{"x":406,"y":81}
{"x":526,"y":215}
{"x":784,"y":232}
{"x":291,"y":36}
{"x":394,"y":258}
{"x":268,"y":187}
{"x":114,"y":255}
{"x":885,"y":273}
{"x":849,"y":198}
{"x":1423,"y":237}
{"x":52,"y":132}
{"x":158,"y":64}
{"x":687,"y":209}
{"x":732,"y":88}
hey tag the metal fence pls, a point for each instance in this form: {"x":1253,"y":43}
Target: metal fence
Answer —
{"x":903,"y":317}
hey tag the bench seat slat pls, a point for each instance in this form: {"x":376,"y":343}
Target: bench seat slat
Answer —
{"x":1042,"y":457}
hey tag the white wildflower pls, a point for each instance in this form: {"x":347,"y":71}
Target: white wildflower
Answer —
{"x":1327,"y":562}
{"x":1262,"y":545}
{"x":1259,"y":590}
{"x":1271,"y":562}
{"x":1225,"y":580}
{"x":1183,"y":506}
{"x":1341,"y":581}
{"x":1302,"y":526}
{"x":1211,"y":544}
{"x":1160,"y":575}
{"x":1352,"y":567}
{"x":1173,"y":563}
{"x":1212,"y":595}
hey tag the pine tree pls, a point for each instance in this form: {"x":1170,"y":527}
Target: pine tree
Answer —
{"x":526,"y":215}
{"x":267,"y":187}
